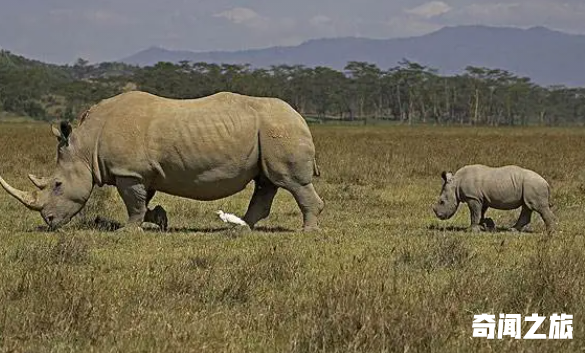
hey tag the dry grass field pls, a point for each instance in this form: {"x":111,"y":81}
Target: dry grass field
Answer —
{"x":384,"y":275}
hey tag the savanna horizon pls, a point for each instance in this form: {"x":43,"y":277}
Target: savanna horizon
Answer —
{"x":384,"y":274}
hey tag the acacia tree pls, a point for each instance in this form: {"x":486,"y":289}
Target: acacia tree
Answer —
{"x":410,"y":92}
{"x":365,"y":88}
{"x":327,"y":91}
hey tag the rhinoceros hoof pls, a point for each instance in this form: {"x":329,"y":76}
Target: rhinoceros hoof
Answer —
{"x":239,"y":230}
{"x":524,"y":229}
{"x":475,"y":228}
{"x":160,"y":218}
{"x":130,"y":228}
{"x":311,"y":229}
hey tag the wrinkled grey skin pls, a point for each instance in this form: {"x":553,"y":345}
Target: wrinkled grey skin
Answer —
{"x":203,"y":149}
{"x":503,"y":188}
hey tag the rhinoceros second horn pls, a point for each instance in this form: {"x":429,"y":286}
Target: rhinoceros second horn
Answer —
{"x":39,"y":182}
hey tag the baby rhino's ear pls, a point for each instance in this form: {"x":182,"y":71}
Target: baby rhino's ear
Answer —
{"x":447,"y":177}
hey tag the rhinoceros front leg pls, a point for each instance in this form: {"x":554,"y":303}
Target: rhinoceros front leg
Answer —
{"x":136,"y":198}
{"x":475,"y":212}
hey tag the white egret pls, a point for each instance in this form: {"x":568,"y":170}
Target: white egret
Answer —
{"x":230,"y":218}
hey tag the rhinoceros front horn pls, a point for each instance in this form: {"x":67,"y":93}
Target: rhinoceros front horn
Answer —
{"x":40,"y":182}
{"x":26,"y":198}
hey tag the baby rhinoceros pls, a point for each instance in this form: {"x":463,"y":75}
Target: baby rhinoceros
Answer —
{"x":503,"y":188}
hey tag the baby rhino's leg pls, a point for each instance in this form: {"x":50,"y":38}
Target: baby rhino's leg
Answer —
{"x":537,"y":198}
{"x":487,"y":223}
{"x":523,"y":220}
{"x":475,"y":211}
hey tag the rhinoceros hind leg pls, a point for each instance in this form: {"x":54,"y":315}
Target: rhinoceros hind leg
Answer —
{"x":157,"y":216}
{"x":310,"y":204}
{"x":292,"y":169}
{"x":261,"y":202}
{"x":548,"y":217}
{"x":524,"y":219}
{"x":487,"y":224}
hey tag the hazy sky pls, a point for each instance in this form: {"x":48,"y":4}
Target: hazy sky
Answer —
{"x":101,"y":30}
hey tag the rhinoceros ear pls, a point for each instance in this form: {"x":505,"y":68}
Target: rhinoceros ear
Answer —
{"x":447,"y":177}
{"x":63,"y":131}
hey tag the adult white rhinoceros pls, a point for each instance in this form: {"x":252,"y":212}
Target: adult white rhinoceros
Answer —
{"x":203,"y":149}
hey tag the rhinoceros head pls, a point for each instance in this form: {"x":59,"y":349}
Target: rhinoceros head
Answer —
{"x":62,"y":195}
{"x":447,"y":204}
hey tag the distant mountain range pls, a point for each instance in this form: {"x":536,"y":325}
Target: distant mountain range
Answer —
{"x":548,"y":57}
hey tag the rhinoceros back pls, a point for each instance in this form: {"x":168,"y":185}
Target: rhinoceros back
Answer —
{"x":504,"y":187}
{"x":182,"y":147}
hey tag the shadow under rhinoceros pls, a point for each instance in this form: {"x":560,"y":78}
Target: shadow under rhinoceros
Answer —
{"x":39,"y":229}
{"x":99,"y":224}
{"x":106,"y":225}
{"x":452,"y":228}
{"x":262,"y":229}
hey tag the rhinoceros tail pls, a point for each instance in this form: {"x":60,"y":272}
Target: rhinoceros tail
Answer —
{"x":316,"y":171}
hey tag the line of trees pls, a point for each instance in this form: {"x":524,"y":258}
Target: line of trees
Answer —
{"x":408,"y":93}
